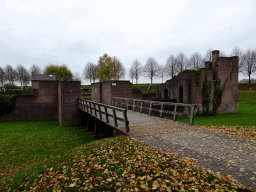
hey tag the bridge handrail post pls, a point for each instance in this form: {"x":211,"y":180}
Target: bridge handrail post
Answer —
{"x":99,"y":106}
{"x":192,"y":114}
{"x":122,"y":103}
{"x":126,"y":121}
{"x":90,"y":106}
{"x":106,"y":113}
{"x":150,"y":108}
{"x":141,"y":106}
{"x":128,"y":104}
{"x":95,"y":112}
{"x":161,"y":111}
{"x":114,"y":116}
{"x":174,"y":115}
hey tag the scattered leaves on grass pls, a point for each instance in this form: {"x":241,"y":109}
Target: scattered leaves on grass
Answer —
{"x":122,"y":163}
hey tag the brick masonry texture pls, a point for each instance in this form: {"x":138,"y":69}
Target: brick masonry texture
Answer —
{"x":223,"y":68}
{"x":68,"y":93}
{"x":103,"y":92}
{"x":45,"y":103}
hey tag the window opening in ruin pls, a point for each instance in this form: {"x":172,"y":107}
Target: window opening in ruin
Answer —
{"x":196,"y":83}
{"x":180,"y":94}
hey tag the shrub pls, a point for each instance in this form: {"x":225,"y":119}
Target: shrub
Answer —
{"x":7,"y":104}
{"x":174,"y":76}
{"x":188,"y":70}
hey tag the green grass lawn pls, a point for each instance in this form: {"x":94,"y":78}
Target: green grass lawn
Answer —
{"x":144,"y":87}
{"x":27,"y":143}
{"x":110,"y":164}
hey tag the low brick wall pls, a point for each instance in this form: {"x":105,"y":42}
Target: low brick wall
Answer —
{"x":52,"y":100}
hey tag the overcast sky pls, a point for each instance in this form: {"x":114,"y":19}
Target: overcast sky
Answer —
{"x":76,"y":32}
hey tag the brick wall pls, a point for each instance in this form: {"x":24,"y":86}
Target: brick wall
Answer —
{"x":106,"y":92}
{"x":69,"y":92}
{"x":41,"y":105}
{"x":109,"y":89}
{"x":52,"y":100}
{"x":97,"y":92}
{"x":228,"y":73}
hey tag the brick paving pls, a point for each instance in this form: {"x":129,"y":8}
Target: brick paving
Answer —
{"x":211,"y":150}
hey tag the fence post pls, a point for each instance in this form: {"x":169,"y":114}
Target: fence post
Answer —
{"x":174,"y":115}
{"x":134,"y":103}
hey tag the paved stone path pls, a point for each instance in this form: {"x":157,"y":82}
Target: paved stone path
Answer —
{"x":217,"y":151}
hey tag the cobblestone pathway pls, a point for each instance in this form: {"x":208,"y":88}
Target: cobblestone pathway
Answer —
{"x":214,"y":150}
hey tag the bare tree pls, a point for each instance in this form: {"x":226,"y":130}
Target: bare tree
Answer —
{"x":238,"y":52}
{"x":151,"y":69}
{"x":35,"y":69}
{"x":21,"y":72}
{"x":171,"y":66}
{"x":208,"y":55}
{"x":11,"y":74}
{"x":162,"y":72}
{"x":26,"y":78}
{"x":119,"y":70}
{"x":2,"y":76}
{"x":249,"y":63}
{"x":181,"y":61}
{"x":222,"y":54}
{"x":76,"y":77}
{"x":131,"y":74}
{"x":90,"y":72}
{"x":136,"y":70}
{"x":196,"y":61}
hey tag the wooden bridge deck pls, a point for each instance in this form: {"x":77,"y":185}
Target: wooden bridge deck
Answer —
{"x":141,"y":124}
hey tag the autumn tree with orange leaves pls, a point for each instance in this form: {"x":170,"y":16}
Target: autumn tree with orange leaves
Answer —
{"x":106,"y":68}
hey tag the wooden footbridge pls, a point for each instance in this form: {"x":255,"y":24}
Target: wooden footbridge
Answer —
{"x":125,"y":115}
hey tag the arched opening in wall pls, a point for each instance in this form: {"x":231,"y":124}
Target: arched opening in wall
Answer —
{"x":166,"y":94}
{"x":180,"y":94}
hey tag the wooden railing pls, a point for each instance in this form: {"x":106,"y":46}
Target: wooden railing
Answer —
{"x":98,"y":110}
{"x":128,"y":102}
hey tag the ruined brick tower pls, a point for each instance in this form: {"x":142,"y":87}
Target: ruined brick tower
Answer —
{"x":187,"y":87}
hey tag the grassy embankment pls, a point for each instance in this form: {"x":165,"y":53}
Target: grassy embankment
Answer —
{"x":42,"y":155}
